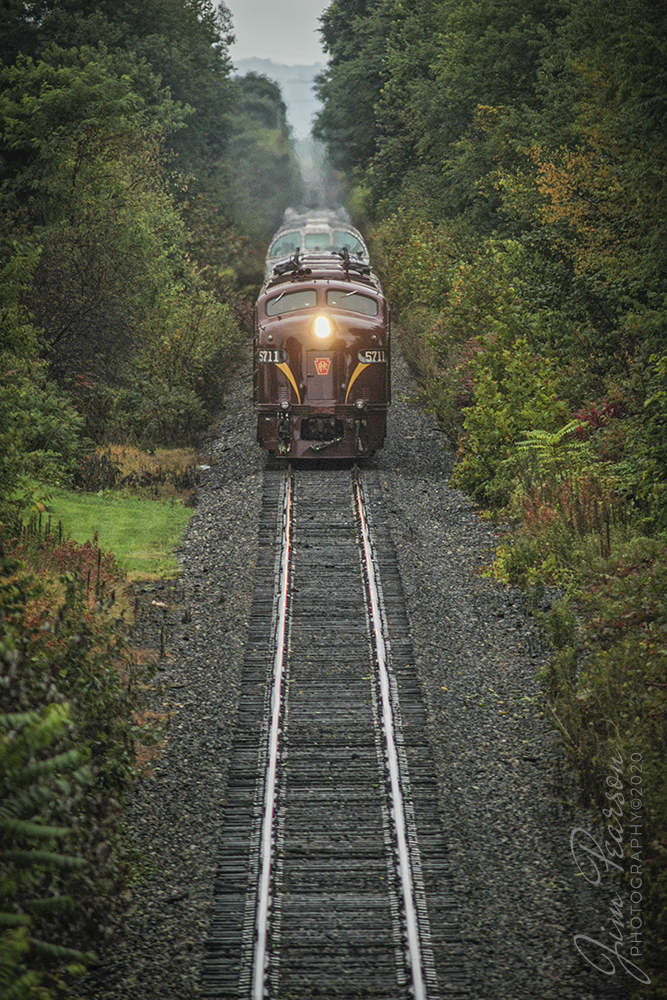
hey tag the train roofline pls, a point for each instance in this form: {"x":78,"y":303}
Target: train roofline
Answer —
{"x":322,"y":267}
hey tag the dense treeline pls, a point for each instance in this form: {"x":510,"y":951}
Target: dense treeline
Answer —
{"x":137,"y":179}
{"x":122,"y":131}
{"x":265,"y":178}
{"x":510,"y":162}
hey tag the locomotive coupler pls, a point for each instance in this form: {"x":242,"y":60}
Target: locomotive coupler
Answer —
{"x":284,"y":428}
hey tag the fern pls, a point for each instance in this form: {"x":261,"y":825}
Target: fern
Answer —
{"x":29,"y":791}
{"x":547,"y":444}
{"x":15,"y":982}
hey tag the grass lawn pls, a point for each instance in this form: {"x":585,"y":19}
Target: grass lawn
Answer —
{"x":141,"y":533}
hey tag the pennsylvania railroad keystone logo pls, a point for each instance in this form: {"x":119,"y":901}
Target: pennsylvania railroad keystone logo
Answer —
{"x":322,"y":365}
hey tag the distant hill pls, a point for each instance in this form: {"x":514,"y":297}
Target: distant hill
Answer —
{"x":296,"y":84}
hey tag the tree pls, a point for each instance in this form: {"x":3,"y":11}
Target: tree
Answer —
{"x":84,"y":172}
{"x":354,"y":36}
{"x":406,"y":90}
{"x":592,"y":192}
{"x":184,"y":43}
{"x":265,"y":174}
{"x":82,"y":169}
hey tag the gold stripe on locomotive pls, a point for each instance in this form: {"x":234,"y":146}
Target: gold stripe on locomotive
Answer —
{"x":285,"y":368}
{"x":357,"y":371}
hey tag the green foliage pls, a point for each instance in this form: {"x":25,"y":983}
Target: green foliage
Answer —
{"x":410,"y":128}
{"x":155,"y":412}
{"x":89,"y":107}
{"x":65,"y":769}
{"x":563,"y":519}
{"x":265,"y":177}
{"x":44,"y":424}
{"x":514,"y":156}
{"x":416,"y":259}
{"x":609,"y":696}
{"x":18,"y":336}
{"x":18,"y":343}
{"x":512,"y":391}
{"x":184,"y":43}
{"x":82,"y":165}
{"x":33,"y":783}
{"x":113,"y":286}
{"x":354,"y":36}
{"x":653,"y":440}
{"x":552,"y":448}
{"x":60,"y":115}
{"x":39,"y":429}
{"x":507,"y":381}
{"x":408,"y":88}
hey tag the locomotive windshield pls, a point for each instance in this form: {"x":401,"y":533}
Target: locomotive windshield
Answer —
{"x":343,"y":240}
{"x":285,"y":244}
{"x":306,"y":298}
{"x":352,"y":301}
{"x":316,"y":241}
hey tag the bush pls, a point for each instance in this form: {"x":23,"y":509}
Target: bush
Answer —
{"x":39,"y":428}
{"x":48,"y":425}
{"x":565,"y":507}
{"x":190,"y":343}
{"x":154,"y":413}
{"x":653,"y":437}
{"x":95,"y":472}
{"x":615,"y":700}
{"x":415,"y":258}
{"x":166,"y":393}
{"x":68,"y":702}
{"x":40,"y":437}
{"x":512,"y":391}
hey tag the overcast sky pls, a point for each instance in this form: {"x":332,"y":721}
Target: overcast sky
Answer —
{"x":282,"y":30}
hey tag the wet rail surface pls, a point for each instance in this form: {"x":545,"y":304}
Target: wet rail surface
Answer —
{"x":333,"y":877}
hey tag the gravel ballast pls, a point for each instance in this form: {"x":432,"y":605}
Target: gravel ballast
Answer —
{"x":499,"y":764}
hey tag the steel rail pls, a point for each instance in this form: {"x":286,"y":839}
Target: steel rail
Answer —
{"x":270,"y":781}
{"x":414,"y":947}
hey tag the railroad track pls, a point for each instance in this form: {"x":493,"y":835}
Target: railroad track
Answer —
{"x":333,"y":879}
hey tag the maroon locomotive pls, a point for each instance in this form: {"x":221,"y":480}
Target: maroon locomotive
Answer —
{"x":322,"y":357}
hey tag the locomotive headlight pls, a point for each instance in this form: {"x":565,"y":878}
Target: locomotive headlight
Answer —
{"x":322,"y":327}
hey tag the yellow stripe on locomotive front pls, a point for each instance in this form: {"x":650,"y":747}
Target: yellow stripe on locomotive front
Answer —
{"x":288,"y":371}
